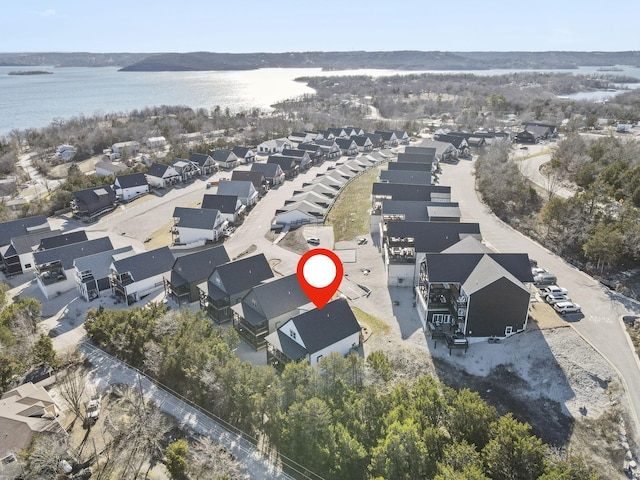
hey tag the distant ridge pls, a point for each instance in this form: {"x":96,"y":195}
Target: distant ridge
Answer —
{"x":398,"y":60}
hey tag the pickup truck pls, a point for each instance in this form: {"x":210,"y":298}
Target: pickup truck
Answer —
{"x":93,"y":408}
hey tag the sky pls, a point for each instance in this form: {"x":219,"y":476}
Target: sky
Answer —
{"x":239,"y":26}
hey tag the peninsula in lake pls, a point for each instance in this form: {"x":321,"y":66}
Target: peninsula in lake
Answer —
{"x":30,"y":72}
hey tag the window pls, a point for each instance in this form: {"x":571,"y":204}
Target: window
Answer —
{"x":27,"y":265}
{"x":292,"y":333}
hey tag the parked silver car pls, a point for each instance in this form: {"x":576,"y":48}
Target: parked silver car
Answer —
{"x":566,"y":307}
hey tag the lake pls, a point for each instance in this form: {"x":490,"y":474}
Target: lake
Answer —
{"x":34,"y":101}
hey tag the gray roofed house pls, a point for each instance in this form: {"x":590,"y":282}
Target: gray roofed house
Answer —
{"x":185,"y":168}
{"x":315,"y":151}
{"x":287,"y":164}
{"x":347,"y":146}
{"x":258,"y":314}
{"x":162,"y":176}
{"x":244,"y":154}
{"x":191,"y":270}
{"x":229,"y":283}
{"x":21,"y":226}
{"x":364,"y":142}
{"x":130,"y":186}
{"x":61,"y":239}
{"x":244,"y":190}
{"x":229,"y":206}
{"x":410,"y":166}
{"x":417,"y":211}
{"x":54,"y":266}
{"x":330,"y":148}
{"x":205,"y":162}
{"x":109,"y":168}
{"x":92,"y":272}
{"x":459,"y":292}
{"x":375,"y":139}
{"x":197,"y":225}
{"x":388,"y":137}
{"x":136,"y":276}
{"x":445,"y":151}
{"x":406,"y":177}
{"x":416,"y":158}
{"x":273,"y":173}
{"x":17,"y":257}
{"x":391,"y":191}
{"x":92,"y":202}
{"x":405,"y":244}
{"x":254,"y":176}
{"x":314,"y":335}
{"x":225,"y":158}
{"x":458,"y":141}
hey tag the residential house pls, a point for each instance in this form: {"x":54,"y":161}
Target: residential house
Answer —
{"x":405,"y":176}
{"x":59,"y":239}
{"x":311,"y":197}
{"x":392,"y":191}
{"x":333,"y":133}
{"x":364,"y":143}
{"x":410,"y":166}
{"x":255,"y":177}
{"x":189,"y":271}
{"x":162,"y":176}
{"x":17,"y":257}
{"x":543,"y":130}
{"x":136,"y":276}
{"x":287,"y":164}
{"x":376,"y":140}
{"x":27,"y":411}
{"x":405,"y":244}
{"x":270,"y":147}
{"x":351,"y":131}
{"x":65,"y":152}
{"x":319,"y":188}
{"x":90,"y":203}
{"x":109,"y":168}
{"x":416,"y":157}
{"x":298,"y":214}
{"x":20,"y":227}
{"x":304,"y":157}
{"x":402,"y":137}
{"x":229,"y":283}
{"x":131,"y":186}
{"x":388,"y":137}
{"x":315,"y":151}
{"x":313,"y":335}
{"x":244,"y":154}
{"x":419,"y":211}
{"x":156,"y":142}
{"x":205,"y":163}
{"x":197,"y":225}
{"x":301,"y":137}
{"x":185,"y":168}
{"x":55,"y":271}
{"x":225,"y":158}
{"x":130,"y":148}
{"x":457,"y":292}
{"x":272,"y":172}
{"x":258,"y":314}
{"x":348,"y":146}
{"x":458,"y":141}
{"x":244,"y":190}
{"x":230,"y":207}
{"x":92,"y":272}
{"x":330,"y":149}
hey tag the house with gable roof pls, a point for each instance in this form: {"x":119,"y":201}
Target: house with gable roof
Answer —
{"x":225,"y":158}
{"x":92,"y":272}
{"x":230,"y":207}
{"x":287,"y":164}
{"x":160,"y":175}
{"x":315,"y":151}
{"x":244,"y":154}
{"x":364,"y":143}
{"x":243,"y":189}
{"x":229,"y":283}
{"x":133,"y":277}
{"x":347,"y":146}
{"x":185,"y":168}
{"x":90,"y":203}
{"x":109,"y":168}
{"x":479,"y":294}
{"x":26,"y":411}
{"x":189,"y":271}
{"x":270,"y":147}
{"x":17,"y":257}
{"x":330,"y":149}
{"x":55,"y":270}
{"x":315,"y":334}
{"x":258,"y":314}
{"x":388,"y":137}
{"x":130,"y":186}
{"x":197,"y":225}
{"x":254,"y":176}
{"x":206,"y":163}
{"x":272,"y":172}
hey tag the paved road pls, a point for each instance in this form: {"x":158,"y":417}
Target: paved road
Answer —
{"x":530,"y":167}
{"x":107,"y":371}
{"x":600,"y":323}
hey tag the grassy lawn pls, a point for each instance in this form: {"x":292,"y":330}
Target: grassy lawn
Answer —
{"x":349,"y":216}
{"x":374,"y":323}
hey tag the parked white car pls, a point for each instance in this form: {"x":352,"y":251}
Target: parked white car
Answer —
{"x":553,"y":289}
{"x":566,"y":307}
{"x":552,"y":298}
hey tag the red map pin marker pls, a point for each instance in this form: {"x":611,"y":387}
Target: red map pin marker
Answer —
{"x":319,"y":274}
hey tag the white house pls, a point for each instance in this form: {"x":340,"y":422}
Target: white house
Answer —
{"x":136,"y":276}
{"x":128,"y":187}
{"x":156,"y":142}
{"x":162,"y":176}
{"x":270,"y":147}
{"x":198,"y":225}
{"x":314,"y":335}
{"x":109,"y":168}
{"x":244,"y":190}
{"x":229,"y":206}
{"x":132,"y":148}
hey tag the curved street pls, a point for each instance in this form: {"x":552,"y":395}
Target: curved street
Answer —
{"x":600,"y":323}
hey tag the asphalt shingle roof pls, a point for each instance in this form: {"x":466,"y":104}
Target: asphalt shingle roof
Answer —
{"x":146,"y":264}
{"x":242,"y":274}
{"x":457,"y":267}
{"x":66,"y":254}
{"x":21,"y":226}
{"x":196,"y":267}
{"x":432,"y":237}
{"x":201,"y":218}
{"x":131,"y":180}
{"x":223,"y":203}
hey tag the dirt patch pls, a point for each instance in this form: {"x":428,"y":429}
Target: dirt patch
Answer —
{"x":294,"y":241}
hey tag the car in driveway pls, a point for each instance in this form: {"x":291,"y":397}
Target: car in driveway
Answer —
{"x":566,"y":307}
{"x":313,"y":241}
{"x":553,"y":289}
{"x":552,"y":298}
{"x":544,"y":279}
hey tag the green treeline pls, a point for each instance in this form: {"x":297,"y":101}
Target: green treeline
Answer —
{"x":341,"y":420}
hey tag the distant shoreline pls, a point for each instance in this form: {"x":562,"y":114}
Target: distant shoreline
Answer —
{"x":30,"y":72}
